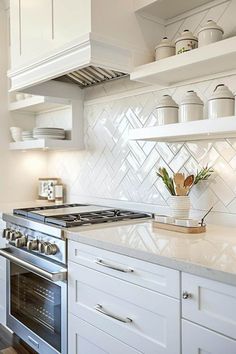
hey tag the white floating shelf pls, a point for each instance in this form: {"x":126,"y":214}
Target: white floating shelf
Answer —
{"x":166,"y":9}
{"x":44,"y":144}
{"x":36,"y":104}
{"x":212,"y":59}
{"x":191,"y":131}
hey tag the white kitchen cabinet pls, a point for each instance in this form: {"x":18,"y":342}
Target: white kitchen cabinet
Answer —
{"x":87,"y":339}
{"x":147,"y":275}
{"x":199,"y":340}
{"x":38,"y":27}
{"x":209,"y":303}
{"x":141,"y":318}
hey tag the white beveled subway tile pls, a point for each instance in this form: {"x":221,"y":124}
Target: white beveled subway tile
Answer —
{"x":149,"y":164}
{"x":137,"y":151}
{"x":232,"y":163}
{"x":162,"y":189}
{"x":175,"y":147}
{"x":231,"y":207}
{"x":135,"y":165}
{"x":199,"y":149}
{"x":133,"y":119}
{"x":192,"y":166}
{"x":179,"y":159}
{"x":148,"y":146}
{"x":205,"y":201}
{"x":152,"y":119}
{"x":224,"y":170}
{"x":165,"y":152}
{"x":220,"y":207}
{"x":225,"y":150}
{"x":223,"y":192}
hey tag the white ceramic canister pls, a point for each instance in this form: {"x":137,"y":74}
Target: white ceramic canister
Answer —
{"x":167,"y":111}
{"x":186,"y":42}
{"x":180,"y":206}
{"x":221,"y":103}
{"x":209,"y":34}
{"x":164,"y":49}
{"x":191,"y":107}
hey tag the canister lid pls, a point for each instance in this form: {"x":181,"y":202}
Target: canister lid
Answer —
{"x":167,"y":101}
{"x":165,"y":42}
{"x":186,"y":34}
{"x":211,"y":25}
{"x":221,"y":91}
{"x":191,"y":98}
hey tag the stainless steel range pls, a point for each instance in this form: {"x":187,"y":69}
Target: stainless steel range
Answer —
{"x":37,"y":269}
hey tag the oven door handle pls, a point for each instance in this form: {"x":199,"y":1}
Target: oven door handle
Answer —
{"x":59,"y":274}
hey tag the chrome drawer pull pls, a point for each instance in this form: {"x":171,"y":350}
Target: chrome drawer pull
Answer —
{"x":112,"y":266}
{"x":100,"y":309}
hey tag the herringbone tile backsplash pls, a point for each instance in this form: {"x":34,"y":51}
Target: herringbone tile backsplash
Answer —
{"x":115,"y":169}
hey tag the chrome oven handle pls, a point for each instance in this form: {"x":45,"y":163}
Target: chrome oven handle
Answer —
{"x":54,"y":277}
{"x":100,"y":309}
{"x":113,"y":266}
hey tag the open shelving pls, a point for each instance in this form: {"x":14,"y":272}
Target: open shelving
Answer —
{"x":212,"y":59}
{"x":36,"y":104}
{"x":166,"y":9}
{"x":43,"y":144}
{"x":205,"y":129}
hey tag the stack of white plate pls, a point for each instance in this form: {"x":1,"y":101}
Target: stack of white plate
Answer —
{"x":49,"y":133}
{"x":27,"y":135}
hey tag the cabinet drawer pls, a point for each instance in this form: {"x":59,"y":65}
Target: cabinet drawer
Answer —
{"x":87,"y":339}
{"x":199,"y":340}
{"x":148,"y":275}
{"x":212,"y":304}
{"x":155,"y":318}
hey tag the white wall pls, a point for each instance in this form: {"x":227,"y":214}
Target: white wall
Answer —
{"x":18,"y":171}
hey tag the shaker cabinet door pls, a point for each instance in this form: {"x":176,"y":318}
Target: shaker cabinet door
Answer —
{"x":84,"y":338}
{"x":199,"y":340}
{"x":209,"y":303}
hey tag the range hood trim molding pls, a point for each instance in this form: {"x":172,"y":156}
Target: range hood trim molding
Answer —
{"x":89,"y":49}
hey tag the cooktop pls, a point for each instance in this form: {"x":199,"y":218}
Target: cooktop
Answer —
{"x":69,"y":215}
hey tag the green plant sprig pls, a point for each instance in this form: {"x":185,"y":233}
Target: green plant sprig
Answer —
{"x":167,"y":180}
{"x":203,"y":174}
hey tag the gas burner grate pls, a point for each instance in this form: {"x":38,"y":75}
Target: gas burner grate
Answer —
{"x":91,"y":218}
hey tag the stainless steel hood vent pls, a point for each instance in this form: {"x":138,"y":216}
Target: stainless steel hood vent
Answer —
{"x":91,"y":76}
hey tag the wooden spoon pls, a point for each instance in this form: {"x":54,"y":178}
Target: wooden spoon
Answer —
{"x":189,"y":181}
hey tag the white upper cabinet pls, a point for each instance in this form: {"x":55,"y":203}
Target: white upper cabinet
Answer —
{"x":40,"y":26}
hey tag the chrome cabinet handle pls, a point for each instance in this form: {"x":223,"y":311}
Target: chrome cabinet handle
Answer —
{"x":186,"y":295}
{"x":113,"y":266}
{"x":100,"y":309}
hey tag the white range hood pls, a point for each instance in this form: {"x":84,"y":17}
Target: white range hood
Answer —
{"x":103,"y":43}
{"x":87,"y":61}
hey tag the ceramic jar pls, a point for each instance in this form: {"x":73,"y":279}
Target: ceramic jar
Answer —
{"x":187,"y":41}
{"x":221,"y":102}
{"x":191,"y":107}
{"x":209,"y":34}
{"x":167,"y":111}
{"x":180,"y":207}
{"x":164,"y":49}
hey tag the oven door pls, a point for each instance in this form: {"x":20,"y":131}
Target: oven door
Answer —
{"x":37,"y":301}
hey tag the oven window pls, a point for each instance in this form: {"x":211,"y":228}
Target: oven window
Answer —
{"x":36,"y":302}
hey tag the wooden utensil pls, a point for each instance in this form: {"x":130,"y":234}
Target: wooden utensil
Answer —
{"x":189,"y":181}
{"x":179,"y":179}
{"x":181,"y":191}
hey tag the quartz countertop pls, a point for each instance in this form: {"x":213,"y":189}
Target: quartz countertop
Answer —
{"x":211,"y":254}
{"x":8,"y":207}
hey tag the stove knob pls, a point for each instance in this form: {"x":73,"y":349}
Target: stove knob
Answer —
{"x":41,"y":246}
{"x":14,"y":235}
{"x":51,"y":249}
{"x":8,"y":234}
{"x":21,"y":242}
{"x":5,"y":233}
{"x":32,"y":245}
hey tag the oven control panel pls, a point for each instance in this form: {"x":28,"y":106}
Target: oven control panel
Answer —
{"x":36,"y":242}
